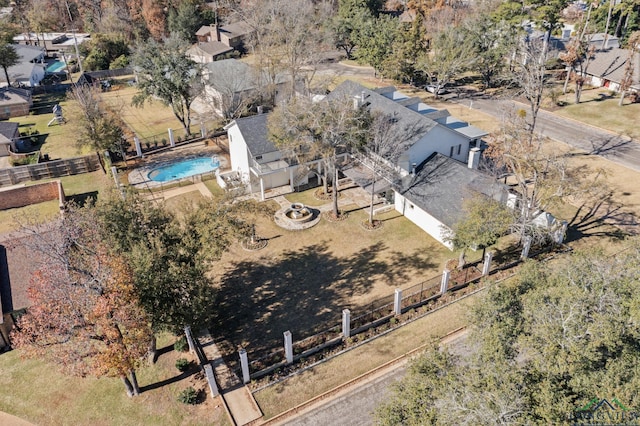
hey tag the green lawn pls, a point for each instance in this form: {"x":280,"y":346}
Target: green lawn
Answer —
{"x":76,"y":188}
{"x":36,"y":391}
{"x":598,"y":107}
{"x":59,"y":141}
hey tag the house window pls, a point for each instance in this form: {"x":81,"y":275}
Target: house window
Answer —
{"x":451,"y":152}
{"x":258,"y":157}
{"x":459,"y":148}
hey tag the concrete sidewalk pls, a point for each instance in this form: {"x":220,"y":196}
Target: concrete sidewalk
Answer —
{"x":10,"y":420}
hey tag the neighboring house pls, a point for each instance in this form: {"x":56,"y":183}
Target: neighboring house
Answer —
{"x":607,"y":69}
{"x":53,"y":43}
{"x":9,"y":135}
{"x":433,"y":175}
{"x":14,"y":102}
{"x":215,"y":41}
{"x":30,"y":71}
{"x":597,"y":40}
{"x":231,"y":86}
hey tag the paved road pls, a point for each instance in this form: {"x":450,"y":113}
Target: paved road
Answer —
{"x":620,"y":149}
{"x":355,"y":406}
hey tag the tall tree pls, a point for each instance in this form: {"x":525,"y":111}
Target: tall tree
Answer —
{"x":633,"y":45}
{"x":484,"y":221}
{"x":543,"y":178}
{"x":547,"y":342}
{"x":375,"y":39}
{"x":98,"y":126}
{"x":489,"y":44}
{"x":577,"y":58}
{"x":450,"y":55}
{"x":85,"y":313}
{"x":289,"y":36}
{"x":166,"y":73}
{"x":320,"y":131}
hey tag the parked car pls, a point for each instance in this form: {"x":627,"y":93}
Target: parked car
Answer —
{"x":431,"y":88}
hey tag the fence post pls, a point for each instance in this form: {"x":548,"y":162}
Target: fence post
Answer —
{"x":187,"y":333}
{"x":397,"y":301}
{"x":138,"y":146}
{"x":203,"y":130}
{"x":486,"y":267}
{"x":244,"y":362}
{"x":526,"y":248}
{"x":444,"y":284}
{"x":172,"y":141}
{"x":213,"y":387}
{"x":346,"y":323}
{"x":288,"y":347}
{"x":114,"y":172}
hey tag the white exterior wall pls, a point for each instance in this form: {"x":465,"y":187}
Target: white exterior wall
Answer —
{"x":422,"y":219}
{"x":439,"y":139}
{"x":238,"y":153}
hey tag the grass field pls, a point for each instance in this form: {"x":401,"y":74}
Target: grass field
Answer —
{"x":37,"y":392}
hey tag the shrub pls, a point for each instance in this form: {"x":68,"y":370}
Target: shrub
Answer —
{"x":163,"y":141}
{"x":188,"y":396}
{"x":181,"y":345}
{"x":183,"y":364}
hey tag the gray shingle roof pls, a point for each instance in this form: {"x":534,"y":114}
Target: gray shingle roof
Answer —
{"x":610,"y":64}
{"x":441,"y":184}
{"x":28,"y":53}
{"x":213,"y":48}
{"x":406,"y":118}
{"x":255,"y":134}
{"x":237,"y":75}
{"x":8,"y":131}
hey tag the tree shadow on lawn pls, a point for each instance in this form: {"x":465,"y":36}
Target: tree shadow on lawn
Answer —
{"x":604,"y":218}
{"x":304,"y":291}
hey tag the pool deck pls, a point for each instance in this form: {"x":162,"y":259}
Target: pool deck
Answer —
{"x":138,"y":176}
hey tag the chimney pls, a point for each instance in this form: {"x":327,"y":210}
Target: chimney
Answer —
{"x":357,"y":102}
{"x":474,"y":158}
{"x":260,"y":109}
{"x":413,"y":169}
{"x":363,"y":96}
{"x":215,"y":32}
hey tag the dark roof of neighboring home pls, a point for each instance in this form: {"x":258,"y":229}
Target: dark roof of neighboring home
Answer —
{"x":598,"y":40}
{"x":14,"y":95}
{"x":610,"y":65}
{"x":16,"y":267}
{"x":86,"y":78}
{"x":28,"y":53}
{"x":21,"y":71}
{"x":415,"y":123}
{"x":8,"y":129}
{"x":236,"y":75}
{"x":213,"y":48}
{"x":255,"y":134}
{"x":236,"y":29}
{"x":441,"y":184}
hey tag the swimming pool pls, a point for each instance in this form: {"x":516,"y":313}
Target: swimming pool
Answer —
{"x":183,"y":169}
{"x":56,"y":66}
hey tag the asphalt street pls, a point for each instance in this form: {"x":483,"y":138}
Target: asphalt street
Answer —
{"x":618,"y":148}
{"x":355,"y":407}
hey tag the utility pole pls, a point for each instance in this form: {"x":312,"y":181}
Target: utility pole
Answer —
{"x":75,"y":40}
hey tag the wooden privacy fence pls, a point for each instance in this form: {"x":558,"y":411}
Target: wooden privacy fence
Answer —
{"x":50,"y":169}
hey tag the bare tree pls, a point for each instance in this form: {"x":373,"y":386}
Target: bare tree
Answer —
{"x":543,"y":178}
{"x":531,"y":77}
{"x":288,"y":36}
{"x":629,"y":68}
{"x":232,"y":90}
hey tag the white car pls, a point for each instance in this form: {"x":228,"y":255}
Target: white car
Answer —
{"x":431,"y":88}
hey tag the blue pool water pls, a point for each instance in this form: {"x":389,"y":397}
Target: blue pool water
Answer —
{"x":184,"y":169}
{"x":56,"y":66}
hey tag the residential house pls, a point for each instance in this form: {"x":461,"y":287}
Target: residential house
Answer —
{"x":214,"y":41}
{"x":30,"y":69}
{"x":230,"y":86}
{"x":9,"y":135}
{"x":434,"y":174}
{"x":14,"y":102}
{"x":53,"y":43}
{"x":607,"y":69}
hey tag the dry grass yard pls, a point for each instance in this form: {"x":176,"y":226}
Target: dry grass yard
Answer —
{"x":37,"y":393}
{"x":303,"y":280}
